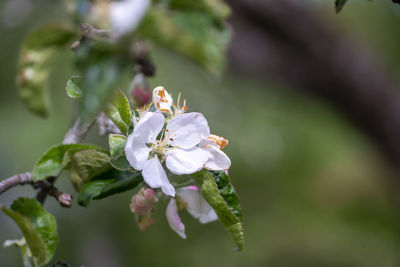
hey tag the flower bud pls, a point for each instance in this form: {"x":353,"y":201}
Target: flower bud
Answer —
{"x":142,"y":203}
{"x":140,"y":90}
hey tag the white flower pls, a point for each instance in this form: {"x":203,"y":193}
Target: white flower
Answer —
{"x":196,"y":205}
{"x":218,"y":160}
{"x":162,"y":100}
{"x":126,"y":15}
{"x":178,"y":146}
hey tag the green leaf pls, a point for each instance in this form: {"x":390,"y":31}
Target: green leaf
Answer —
{"x":58,"y":157}
{"x":36,"y":56}
{"x":119,"y":111}
{"x":72,"y":88}
{"x":225,"y":212}
{"x":339,"y":4}
{"x":107,"y":184}
{"x":38,"y":227}
{"x":228,"y":192}
{"x":196,"y":35}
{"x":117,"y":149}
{"x":87,"y":164}
{"x":117,"y":145}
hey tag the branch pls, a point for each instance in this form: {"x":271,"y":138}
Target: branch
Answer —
{"x":47,"y":188}
{"x":74,"y":135}
{"x":77,"y":132}
{"x":18,"y":179}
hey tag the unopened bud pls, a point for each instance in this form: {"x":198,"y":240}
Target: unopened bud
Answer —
{"x":143,"y":202}
{"x":140,"y":90}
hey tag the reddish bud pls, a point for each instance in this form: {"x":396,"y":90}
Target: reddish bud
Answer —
{"x":142,"y":203}
{"x":141,"y":95}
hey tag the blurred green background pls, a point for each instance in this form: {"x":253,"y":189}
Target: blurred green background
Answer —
{"x":314,"y":190}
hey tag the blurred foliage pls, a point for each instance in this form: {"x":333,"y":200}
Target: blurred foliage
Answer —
{"x":35,"y":64}
{"x":314,"y":192}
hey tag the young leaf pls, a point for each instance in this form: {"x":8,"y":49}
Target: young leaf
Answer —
{"x":107,"y":184}
{"x":226,"y":214}
{"x":339,"y":4}
{"x":38,"y":227}
{"x":196,"y":35}
{"x":119,"y":111}
{"x":72,"y":88}
{"x":54,"y":160}
{"x":228,"y":192}
{"x":34,"y":66}
{"x":87,"y":164}
{"x":117,"y":145}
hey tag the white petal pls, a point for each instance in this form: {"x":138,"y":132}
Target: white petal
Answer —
{"x":149,"y":127}
{"x":167,"y":187}
{"x":218,"y":160}
{"x":126,"y":15}
{"x":152,"y":172}
{"x":136,"y":152}
{"x":154,"y":175}
{"x":186,"y":161}
{"x":211,"y":216}
{"x":161,"y":99}
{"x":187,"y":130}
{"x":197,"y":206}
{"x":174,"y":220}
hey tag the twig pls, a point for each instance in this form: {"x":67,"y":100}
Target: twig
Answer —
{"x":77,"y":132}
{"x":18,"y":179}
{"x":47,"y":188}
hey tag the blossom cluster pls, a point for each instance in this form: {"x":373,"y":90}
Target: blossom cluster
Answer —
{"x":171,"y":141}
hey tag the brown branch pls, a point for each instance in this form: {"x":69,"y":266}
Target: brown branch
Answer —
{"x":47,"y":188}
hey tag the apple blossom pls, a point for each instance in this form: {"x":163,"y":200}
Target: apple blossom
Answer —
{"x":184,"y":145}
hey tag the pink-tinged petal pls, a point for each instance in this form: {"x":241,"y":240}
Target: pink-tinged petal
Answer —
{"x":187,"y":130}
{"x":174,"y":220}
{"x":197,"y":206}
{"x":218,"y":160}
{"x":186,"y":161}
{"x":154,"y":175}
{"x":136,"y":152}
{"x":148,"y":128}
{"x":161,"y":99}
